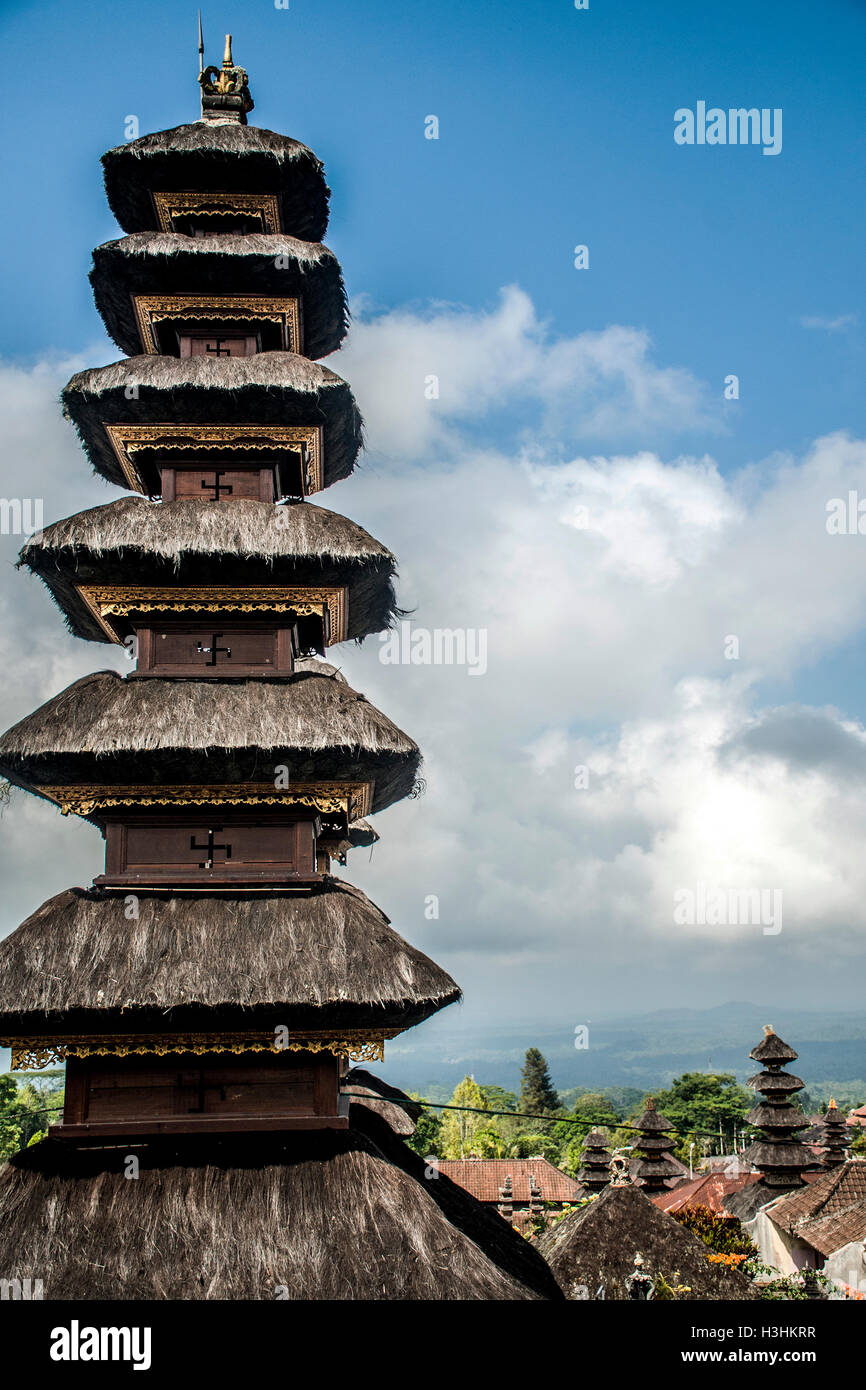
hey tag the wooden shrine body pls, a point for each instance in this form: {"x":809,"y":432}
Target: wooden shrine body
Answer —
{"x":185,"y":1093}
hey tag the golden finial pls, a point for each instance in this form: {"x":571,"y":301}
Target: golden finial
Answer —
{"x":832,"y":1105}
{"x":225,"y":91}
{"x":768,"y":1030}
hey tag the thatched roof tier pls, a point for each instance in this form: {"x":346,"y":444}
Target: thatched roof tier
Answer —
{"x":766,"y":1116}
{"x":772,"y":1082}
{"x":217,"y":158}
{"x":371,"y":1092}
{"x":263,"y":264}
{"x":595,"y":1248}
{"x":192,"y":543}
{"x":270,"y":388}
{"x":325,"y":1216}
{"x":783,"y":1158}
{"x":362,"y":835}
{"x":110,"y":730}
{"x":773,"y":1049}
{"x":328,"y":959}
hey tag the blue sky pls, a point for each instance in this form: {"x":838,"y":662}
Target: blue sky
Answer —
{"x":555,"y":129}
{"x":559,"y":387}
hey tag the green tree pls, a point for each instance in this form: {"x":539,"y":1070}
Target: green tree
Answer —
{"x":596,"y":1108}
{"x":526,"y":1145}
{"x":496,"y":1098}
{"x":10,"y":1120}
{"x":460,"y":1126}
{"x":537,"y":1093}
{"x":698,"y":1101}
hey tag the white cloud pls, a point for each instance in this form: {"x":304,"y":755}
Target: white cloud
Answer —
{"x":606,"y":647}
{"x":829,"y":324}
{"x":596,"y":385}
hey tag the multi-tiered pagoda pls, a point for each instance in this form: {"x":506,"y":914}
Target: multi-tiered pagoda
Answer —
{"x":594,"y":1171}
{"x":777,"y":1151}
{"x":209,"y":991}
{"x":655,"y":1166}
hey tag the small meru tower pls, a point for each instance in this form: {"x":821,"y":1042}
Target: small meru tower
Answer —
{"x":209,"y":991}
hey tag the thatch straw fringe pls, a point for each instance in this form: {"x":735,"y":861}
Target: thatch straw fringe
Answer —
{"x":173,"y":530}
{"x":321,"y":1216}
{"x":107,"y":728}
{"x":107,"y":713}
{"x":269,"y":388}
{"x":331,"y":949}
{"x":165,"y":263}
{"x":275,"y":371}
{"x":139,"y":247}
{"x":217,"y":158}
{"x":180,"y":543}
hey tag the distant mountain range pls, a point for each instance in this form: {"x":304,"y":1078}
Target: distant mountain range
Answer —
{"x":640,"y":1050}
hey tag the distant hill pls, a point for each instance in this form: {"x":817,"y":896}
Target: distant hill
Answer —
{"x":641,"y":1051}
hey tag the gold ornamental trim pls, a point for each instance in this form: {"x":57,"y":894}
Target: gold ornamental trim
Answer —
{"x":151,"y":309}
{"x":105,"y":601}
{"x":171,"y":205}
{"x":34,"y":1052}
{"x":129,"y":439}
{"x":353,"y":798}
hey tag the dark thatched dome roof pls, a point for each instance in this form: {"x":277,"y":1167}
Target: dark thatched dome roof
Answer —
{"x":164,"y":263}
{"x":327,"y":958}
{"x":204,"y":542}
{"x":110,"y":729}
{"x":217,"y":158}
{"x":324,"y":1216}
{"x":279,"y":388}
{"x":771,"y":1048}
{"x":372,"y":1092}
{"x":595,"y":1247}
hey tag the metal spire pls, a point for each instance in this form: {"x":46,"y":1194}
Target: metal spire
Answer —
{"x":200,"y":58}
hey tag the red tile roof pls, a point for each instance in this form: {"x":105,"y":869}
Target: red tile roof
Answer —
{"x":833,"y":1232}
{"x":483,"y":1177}
{"x":709,"y":1190}
{"x":812,"y":1211}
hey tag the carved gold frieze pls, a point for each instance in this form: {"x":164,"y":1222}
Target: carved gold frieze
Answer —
{"x":360,"y":1044}
{"x":151,"y":309}
{"x":169,"y":206}
{"x":112,"y":600}
{"x":129,"y":439}
{"x":82,"y":799}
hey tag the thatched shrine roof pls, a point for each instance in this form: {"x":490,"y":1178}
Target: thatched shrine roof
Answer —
{"x":163,"y":263}
{"x":270,"y":388}
{"x":323,"y":1216}
{"x":772,"y":1049}
{"x":362,"y":835}
{"x":217,"y":158}
{"x":115,"y":730}
{"x":324,"y":959}
{"x":372,"y":1092}
{"x":595,"y":1247}
{"x":188,"y":543}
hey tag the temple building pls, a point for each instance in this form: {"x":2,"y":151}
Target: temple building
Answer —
{"x":594,"y":1172}
{"x":835,"y":1137}
{"x":777,"y":1152}
{"x":655,"y":1167}
{"x":210,"y":991}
